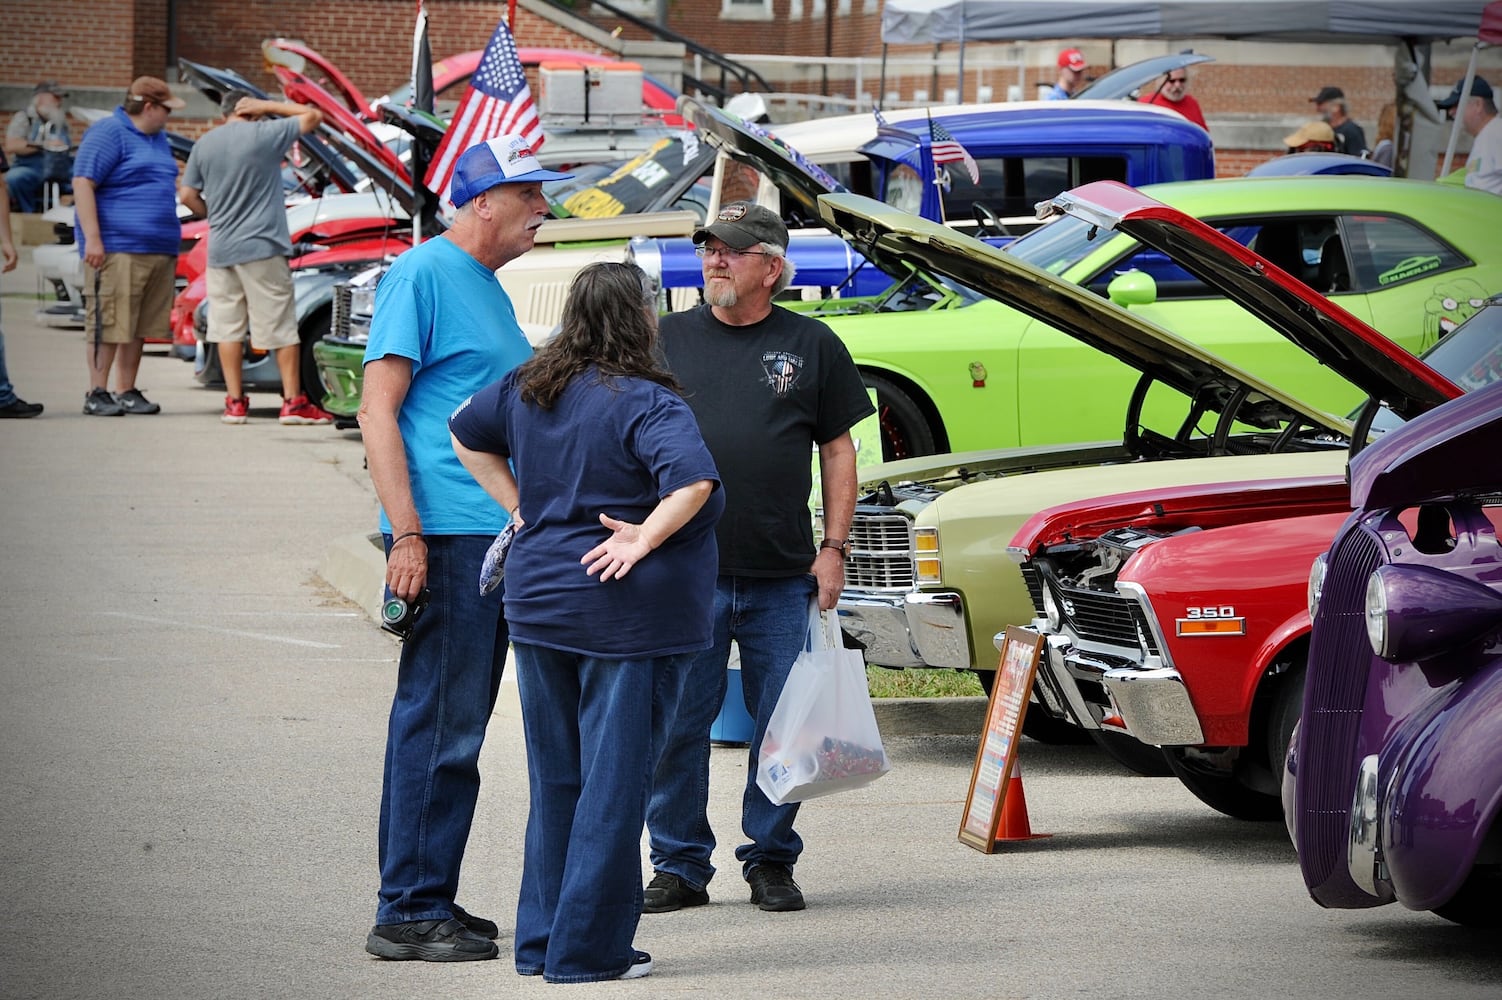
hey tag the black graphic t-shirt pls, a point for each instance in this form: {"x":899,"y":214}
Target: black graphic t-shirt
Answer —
{"x":764,"y":396}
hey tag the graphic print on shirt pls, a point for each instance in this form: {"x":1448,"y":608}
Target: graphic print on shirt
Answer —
{"x":783,"y":369}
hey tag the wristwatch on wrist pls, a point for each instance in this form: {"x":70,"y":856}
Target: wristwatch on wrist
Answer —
{"x":840,"y":545}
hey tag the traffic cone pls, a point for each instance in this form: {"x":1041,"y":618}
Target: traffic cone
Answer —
{"x":1014,"y":824}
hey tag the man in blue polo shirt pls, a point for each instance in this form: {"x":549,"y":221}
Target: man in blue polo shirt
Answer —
{"x":125,"y":197}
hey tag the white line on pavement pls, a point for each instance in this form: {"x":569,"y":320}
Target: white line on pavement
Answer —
{"x":223,"y":631}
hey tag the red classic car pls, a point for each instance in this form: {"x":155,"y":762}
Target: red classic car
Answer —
{"x":1180,"y":617}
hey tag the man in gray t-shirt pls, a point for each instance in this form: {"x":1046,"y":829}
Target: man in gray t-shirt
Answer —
{"x":234,"y":178}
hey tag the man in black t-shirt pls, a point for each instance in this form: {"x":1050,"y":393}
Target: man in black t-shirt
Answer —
{"x":766,"y":385}
{"x":1330,"y":102}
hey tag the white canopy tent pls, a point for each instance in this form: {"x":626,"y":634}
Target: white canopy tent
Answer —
{"x":1380,"y":21}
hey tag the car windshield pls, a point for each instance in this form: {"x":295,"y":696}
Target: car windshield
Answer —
{"x":1059,"y":245}
{"x":1470,"y":356}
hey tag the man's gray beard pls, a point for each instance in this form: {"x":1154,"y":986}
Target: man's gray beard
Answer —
{"x":720,"y":295}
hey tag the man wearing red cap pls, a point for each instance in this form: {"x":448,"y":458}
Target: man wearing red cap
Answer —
{"x":1071,"y":76}
{"x":125,"y":196}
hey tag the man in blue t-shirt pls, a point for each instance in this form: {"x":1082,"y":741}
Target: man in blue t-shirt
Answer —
{"x":125,"y":199}
{"x":443,"y":329}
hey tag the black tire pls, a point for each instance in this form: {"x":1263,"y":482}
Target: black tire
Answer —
{"x":905,"y":431}
{"x":1476,"y":904}
{"x":1132,"y":754}
{"x":314,"y":329}
{"x":1216,"y":785}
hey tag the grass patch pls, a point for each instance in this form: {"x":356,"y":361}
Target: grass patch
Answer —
{"x":885,"y":683}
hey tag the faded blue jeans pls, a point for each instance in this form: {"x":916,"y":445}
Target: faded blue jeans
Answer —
{"x":446,"y":687}
{"x":7,"y":393}
{"x":589,"y":725}
{"x":768,"y":619}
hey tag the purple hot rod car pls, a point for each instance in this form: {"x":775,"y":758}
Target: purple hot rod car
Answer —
{"x":1393,"y":782}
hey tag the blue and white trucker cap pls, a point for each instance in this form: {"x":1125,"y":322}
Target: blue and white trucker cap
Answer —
{"x":506,"y":159}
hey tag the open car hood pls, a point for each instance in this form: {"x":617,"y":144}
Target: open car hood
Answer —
{"x":336,"y":116}
{"x":1340,"y":341}
{"x":800,"y":180}
{"x":310,"y":63}
{"x":215,"y":83}
{"x":1440,"y":456}
{"x":897,"y":240}
{"x":1120,"y":82}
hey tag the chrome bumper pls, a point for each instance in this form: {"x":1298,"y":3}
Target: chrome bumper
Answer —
{"x":1149,"y":702}
{"x":908,"y":630}
{"x":879,"y":624}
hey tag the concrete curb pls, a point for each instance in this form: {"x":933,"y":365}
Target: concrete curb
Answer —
{"x":355,"y":565}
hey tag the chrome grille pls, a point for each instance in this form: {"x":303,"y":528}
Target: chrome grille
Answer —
{"x":1103,"y":617}
{"x":339,"y":321}
{"x":881,"y":553}
{"x":1340,"y":659}
{"x":1034,"y":581}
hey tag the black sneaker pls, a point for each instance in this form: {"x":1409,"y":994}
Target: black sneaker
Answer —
{"x":131,"y":401}
{"x":19,"y":409}
{"x":99,"y":403}
{"x":773,"y":888}
{"x":476,"y":925}
{"x":667,"y":892}
{"x":640,"y":966}
{"x":429,"y":941}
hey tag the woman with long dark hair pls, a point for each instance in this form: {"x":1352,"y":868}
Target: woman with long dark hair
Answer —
{"x":610,"y":579}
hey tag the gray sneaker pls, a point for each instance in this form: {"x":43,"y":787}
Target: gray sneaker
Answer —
{"x":99,"y":403}
{"x":131,"y":401}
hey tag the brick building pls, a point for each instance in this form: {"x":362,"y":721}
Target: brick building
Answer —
{"x":1252,"y":94}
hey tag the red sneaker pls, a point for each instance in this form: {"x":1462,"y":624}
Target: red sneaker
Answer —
{"x":235,"y":410}
{"x":300,"y":411}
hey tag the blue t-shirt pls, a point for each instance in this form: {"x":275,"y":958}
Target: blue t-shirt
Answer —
{"x":135,"y":187}
{"x":614,"y":447}
{"x":445,"y":311}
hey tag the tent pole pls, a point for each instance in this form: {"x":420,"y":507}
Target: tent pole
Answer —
{"x":881,"y":91}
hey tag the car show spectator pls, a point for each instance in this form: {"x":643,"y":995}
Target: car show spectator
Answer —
{"x":443,"y":329}
{"x":1330,"y":103}
{"x":1173,"y":93}
{"x":125,"y":199}
{"x":766,"y":385}
{"x":38,"y":142}
{"x":1071,"y":76}
{"x":1311,"y":137}
{"x":610,"y":588}
{"x":1387,"y":123}
{"x":12,"y":407}
{"x":1478,"y":116}
{"x":234,"y":179}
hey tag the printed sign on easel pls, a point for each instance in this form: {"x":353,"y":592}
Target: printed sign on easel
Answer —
{"x":996,"y":757}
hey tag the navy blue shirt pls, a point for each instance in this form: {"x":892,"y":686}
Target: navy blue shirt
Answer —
{"x":613,"y":446}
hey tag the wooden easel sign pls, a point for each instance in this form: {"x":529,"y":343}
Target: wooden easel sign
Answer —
{"x":997,"y":753}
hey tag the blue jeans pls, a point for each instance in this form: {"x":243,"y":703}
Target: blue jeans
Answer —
{"x":446,"y":687}
{"x":7,"y":393}
{"x":589,"y":726}
{"x":767,"y":618}
{"x":24,"y":179}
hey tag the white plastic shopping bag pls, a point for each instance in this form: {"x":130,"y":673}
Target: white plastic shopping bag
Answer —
{"x":822,"y":737}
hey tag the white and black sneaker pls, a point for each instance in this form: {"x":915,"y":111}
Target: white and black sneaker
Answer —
{"x":132,"y":401}
{"x":640,"y":966}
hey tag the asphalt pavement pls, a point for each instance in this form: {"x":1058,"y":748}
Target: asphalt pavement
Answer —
{"x":192,"y":719}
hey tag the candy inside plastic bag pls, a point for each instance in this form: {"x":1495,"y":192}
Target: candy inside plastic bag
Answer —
{"x":493,"y":568}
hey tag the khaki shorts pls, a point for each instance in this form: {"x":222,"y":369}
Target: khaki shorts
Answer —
{"x":135,"y":297}
{"x":257,"y":294}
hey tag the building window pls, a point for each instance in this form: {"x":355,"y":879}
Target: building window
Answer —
{"x":746,"y":10}
{"x":645,"y":9}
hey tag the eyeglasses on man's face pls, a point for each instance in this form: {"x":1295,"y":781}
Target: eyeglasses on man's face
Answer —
{"x":727,"y":253}
{"x":1178,"y":80}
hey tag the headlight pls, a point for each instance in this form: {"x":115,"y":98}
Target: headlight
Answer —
{"x":1376,"y":614}
{"x":926,"y":555}
{"x":1051,"y":609}
{"x":1316,"y":583}
{"x":362,"y":300}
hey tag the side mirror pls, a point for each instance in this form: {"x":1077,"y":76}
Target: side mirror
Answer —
{"x":1133,"y":288}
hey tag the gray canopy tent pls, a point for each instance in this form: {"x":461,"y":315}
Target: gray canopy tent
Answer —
{"x":1409,"y":24}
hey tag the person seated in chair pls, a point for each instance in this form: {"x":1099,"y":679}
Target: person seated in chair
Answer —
{"x":38,"y":144}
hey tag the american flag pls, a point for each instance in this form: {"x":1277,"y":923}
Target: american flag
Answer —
{"x":497,"y":102}
{"x":947,"y":149}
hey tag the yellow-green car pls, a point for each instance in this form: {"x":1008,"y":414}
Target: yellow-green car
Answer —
{"x":929,"y":581}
